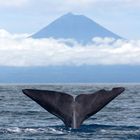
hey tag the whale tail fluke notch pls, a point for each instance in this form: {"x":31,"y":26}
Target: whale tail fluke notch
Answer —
{"x":72,"y":112}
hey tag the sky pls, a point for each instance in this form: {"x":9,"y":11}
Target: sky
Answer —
{"x":21,"y":18}
{"x":29,"y":16}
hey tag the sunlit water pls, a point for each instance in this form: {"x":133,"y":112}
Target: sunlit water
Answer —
{"x":22,"y":118}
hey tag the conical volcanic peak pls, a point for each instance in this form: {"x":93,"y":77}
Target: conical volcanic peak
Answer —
{"x":77,"y":27}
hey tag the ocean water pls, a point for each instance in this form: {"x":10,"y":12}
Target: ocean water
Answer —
{"x":21,"y":118}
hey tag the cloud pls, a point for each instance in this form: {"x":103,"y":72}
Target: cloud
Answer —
{"x":15,"y":3}
{"x":92,"y":3}
{"x":130,"y":2}
{"x":80,"y":5}
{"x":18,"y":50}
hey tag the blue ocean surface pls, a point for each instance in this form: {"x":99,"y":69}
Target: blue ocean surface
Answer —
{"x":21,"y":118}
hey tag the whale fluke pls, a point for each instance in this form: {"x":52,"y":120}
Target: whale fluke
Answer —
{"x":72,"y":111}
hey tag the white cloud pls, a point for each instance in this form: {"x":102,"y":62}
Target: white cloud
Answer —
{"x":110,"y":1}
{"x":92,"y":3}
{"x":17,"y":50}
{"x":14,"y":3}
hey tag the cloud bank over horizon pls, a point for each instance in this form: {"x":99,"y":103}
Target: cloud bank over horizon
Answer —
{"x":18,"y":50}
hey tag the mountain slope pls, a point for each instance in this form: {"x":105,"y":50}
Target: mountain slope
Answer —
{"x":77,"y":27}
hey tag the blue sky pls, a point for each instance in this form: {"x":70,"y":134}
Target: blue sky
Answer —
{"x":28,"y":16}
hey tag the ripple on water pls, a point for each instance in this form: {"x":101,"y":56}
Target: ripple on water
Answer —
{"x":22,"y":118}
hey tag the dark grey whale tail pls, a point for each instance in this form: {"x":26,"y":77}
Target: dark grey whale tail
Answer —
{"x":72,"y":111}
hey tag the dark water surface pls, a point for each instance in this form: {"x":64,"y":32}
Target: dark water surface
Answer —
{"x":22,"y":118}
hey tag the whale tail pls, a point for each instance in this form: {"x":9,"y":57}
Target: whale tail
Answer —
{"x":72,"y":111}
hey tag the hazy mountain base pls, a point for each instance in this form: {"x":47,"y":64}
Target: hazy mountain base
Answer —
{"x":70,"y":74}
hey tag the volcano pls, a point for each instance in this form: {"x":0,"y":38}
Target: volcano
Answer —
{"x":78,"y":27}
